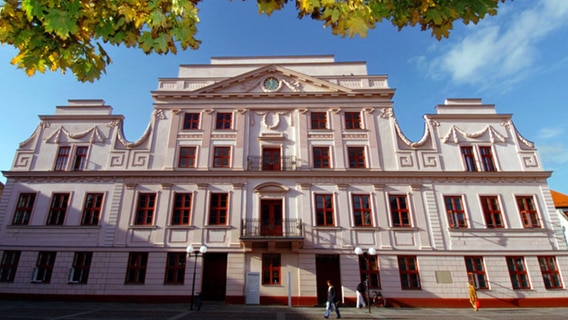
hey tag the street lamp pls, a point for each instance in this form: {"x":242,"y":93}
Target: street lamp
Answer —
{"x":372,"y":252}
{"x":189,"y":251}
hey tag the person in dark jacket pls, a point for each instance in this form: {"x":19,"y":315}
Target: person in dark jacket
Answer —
{"x":361,"y":288}
{"x":331,"y":301}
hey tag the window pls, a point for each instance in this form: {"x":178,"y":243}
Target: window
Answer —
{"x":191,"y":121}
{"x":492,"y":212}
{"x":9,"y":265}
{"x":400,"y":212}
{"x":372,"y":262}
{"x":455,"y":211}
{"x":352,"y":120}
{"x":145,"y":209}
{"x":271,"y":269}
{"x":92,"y":209}
{"x":44,"y":267}
{"x":24,"y":208}
{"x":187,"y":157}
{"x":218,"y":209}
{"x":487,"y":159}
{"x":550,"y":273}
{"x":182,"y":209}
{"x":57,"y":209}
{"x":362,"y":210}
{"x":356,"y":157}
{"x":221,"y":157}
{"x":324,"y":210}
{"x":81,"y":266}
{"x":175,"y":268}
{"x":518,"y":273}
{"x":136,"y":268}
{"x":62,"y":157}
{"x":319,"y":120}
{"x":224,"y":120}
{"x":529,"y":215}
{"x":408,"y":269}
{"x":476,"y":272}
{"x":469,"y":159}
{"x":80,"y":158}
{"x":321,"y":157}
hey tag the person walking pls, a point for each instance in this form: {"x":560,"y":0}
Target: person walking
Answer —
{"x":331,"y":301}
{"x":473,"y":295}
{"x":361,"y":295}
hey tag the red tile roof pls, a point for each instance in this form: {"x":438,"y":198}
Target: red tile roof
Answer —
{"x":560,"y":199}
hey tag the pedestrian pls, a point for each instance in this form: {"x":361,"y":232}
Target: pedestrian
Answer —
{"x":473,"y":295}
{"x":331,"y":301}
{"x":361,"y":295}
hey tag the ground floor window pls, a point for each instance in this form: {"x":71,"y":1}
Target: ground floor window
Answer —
{"x":550,"y":274}
{"x":372,"y":265}
{"x":271,"y":269}
{"x":518,"y":273}
{"x":8,"y":265}
{"x":136,"y":268}
{"x":476,"y":272}
{"x":409,"y":275}
{"x":175,"y":268}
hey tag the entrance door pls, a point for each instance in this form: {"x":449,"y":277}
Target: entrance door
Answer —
{"x":271,"y":159}
{"x":214,"y":276}
{"x":327,"y":268}
{"x":271,"y":217}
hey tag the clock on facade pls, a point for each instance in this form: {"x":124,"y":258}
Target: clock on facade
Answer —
{"x":271,"y":84}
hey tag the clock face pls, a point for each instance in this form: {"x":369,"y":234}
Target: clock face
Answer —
{"x":271,"y":84}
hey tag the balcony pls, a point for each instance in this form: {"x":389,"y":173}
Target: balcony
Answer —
{"x":269,"y":234}
{"x":259,"y":163}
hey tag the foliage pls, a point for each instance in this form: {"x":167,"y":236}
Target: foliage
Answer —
{"x":67,"y":35}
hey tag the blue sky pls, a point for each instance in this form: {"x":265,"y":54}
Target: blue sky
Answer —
{"x":517,"y":60}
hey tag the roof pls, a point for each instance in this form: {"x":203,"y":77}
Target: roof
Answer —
{"x":560,"y":199}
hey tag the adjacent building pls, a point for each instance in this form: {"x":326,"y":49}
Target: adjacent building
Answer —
{"x":289,"y":171}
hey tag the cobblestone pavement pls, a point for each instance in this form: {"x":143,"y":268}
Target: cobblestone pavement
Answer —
{"x":55,"y":310}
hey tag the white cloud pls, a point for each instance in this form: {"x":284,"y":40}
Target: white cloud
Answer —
{"x":553,"y":154}
{"x":550,"y":133}
{"x":501,"y":50}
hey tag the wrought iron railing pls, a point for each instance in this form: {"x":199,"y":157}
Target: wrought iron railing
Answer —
{"x":258,"y":228}
{"x":259,"y":163}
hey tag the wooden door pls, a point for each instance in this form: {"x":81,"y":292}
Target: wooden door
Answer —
{"x":271,"y":217}
{"x":214,"y":276}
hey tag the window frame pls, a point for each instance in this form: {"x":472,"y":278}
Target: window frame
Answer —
{"x":62,"y":158}
{"x":23,"y":212}
{"x":520,"y":279}
{"x":356,"y":157}
{"x":271,"y":269}
{"x":136,"y":267}
{"x":92,"y":209}
{"x":145,"y":208}
{"x":80,"y":158}
{"x":362,"y":210}
{"x":9,"y":265}
{"x":80,"y":267}
{"x":221,"y":157}
{"x":58,"y":209}
{"x":324,"y":209}
{"x":475,"y":268}
{"x":486,"y":158}
{"x":489,"y":213}
{"x":224,"y":121}
{"x":181,"y":210}
{"x":175,"y":268}
{"x":353,"y":120}
{"x":409,"y":273}
{"x":398,"y":214}
{"x":550,"y":272}
{"x":191,"y":121}
{"x":188,"y":160}
{"x":320,"y":159}
{"x":218,"y":209}
{"x":372,"y":261}
{"x":318,"y":120}
{"x":454,"y":213}
{"x":44,"y":266}
{"x":529,"y":217}
{"x":468,"y":156}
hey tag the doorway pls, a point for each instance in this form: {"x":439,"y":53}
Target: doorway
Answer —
{"x":327,"y":268}
{"x":271,"y":217}
{"x":214,"y":282}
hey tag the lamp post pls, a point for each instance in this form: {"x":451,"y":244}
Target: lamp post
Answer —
{"x":189,"y":251}
{"x":372,"y":252}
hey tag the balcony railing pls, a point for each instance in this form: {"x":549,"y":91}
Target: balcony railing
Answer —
{"x":258,"y":163}
{"x":257,"y":228}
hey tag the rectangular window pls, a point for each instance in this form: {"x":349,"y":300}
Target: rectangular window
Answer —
{"x":9,"y":265}
{"x":44,"y":267}
{"x":353,"y":120}
{"x":182,"y":209}
{"x":62,"y":158}
{"x":409,"y":276}
{"x":92,"y":209}
{"x":400,"y":212}
{"x":518,"y":273}
{"x":187,"y":157}
{"x":136,"y":268}
{"x":80,"y":158}
{"x":191,"y":121}
{"x":321,"y":157}
{"x":218,"y":209}
{"x":271,"y":269}
{"x":58,"y":209}
{"x":224,"y":121}
{"x":469,"y":159}
{"x":528,"y":212}
{"x":487,"y":159}
{"x":319,"y":120}
{"x":362,"y":210}
{"x":24,"y":209}
{"x":175,"y":268}
{"x":372,"y":265}
{"x":221,"y":157}
{"x":550,"y":273}
{"x":356,"y":157}
{"x":476,"y":272}
{"x":492,"y":212}
{"x":81,"y":266}
{"x":455,"y":211}
{"x":145,"y":209}
{"x":324,"y":210}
